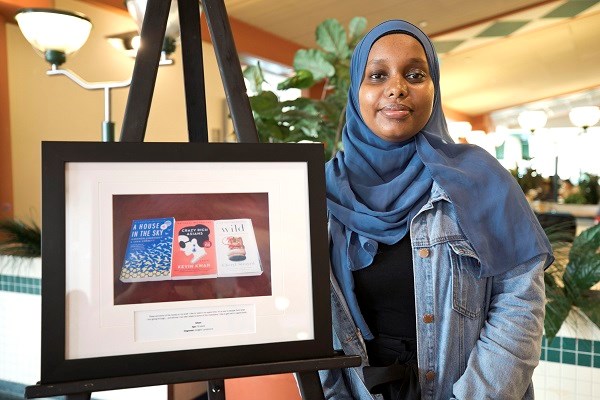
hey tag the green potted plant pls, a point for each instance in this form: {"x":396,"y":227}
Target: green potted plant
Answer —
{"x":315,"y":119}
{"x":20,"y":239}
{"x":588,"y":191}
{"x":570,"y":281}
{"x":531,"y":182}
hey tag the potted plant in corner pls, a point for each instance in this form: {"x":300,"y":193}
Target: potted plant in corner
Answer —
{"x":20,"y":271}
{"x":20,"y":239}
{"x":571,"y":280}
{"x":20,"y":242}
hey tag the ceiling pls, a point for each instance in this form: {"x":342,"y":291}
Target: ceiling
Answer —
{"x":494,"y":54}
{"x":507,"y":52}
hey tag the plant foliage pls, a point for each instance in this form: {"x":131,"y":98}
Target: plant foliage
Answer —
{"x":590,"y":188}
{"x":20,"y":239}
{"x":569,"y":281}
{"x":530,"y":179}
{"x":314,"y":119}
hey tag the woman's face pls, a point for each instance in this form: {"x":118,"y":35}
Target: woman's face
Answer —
{"x":396,"y":93}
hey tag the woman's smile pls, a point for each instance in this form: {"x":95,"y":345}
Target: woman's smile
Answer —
{"x":395,"y":111}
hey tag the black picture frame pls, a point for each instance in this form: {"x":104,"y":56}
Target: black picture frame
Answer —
{"x":56,"y":367}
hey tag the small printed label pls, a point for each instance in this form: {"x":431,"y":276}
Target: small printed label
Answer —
{"x":195,"y":322}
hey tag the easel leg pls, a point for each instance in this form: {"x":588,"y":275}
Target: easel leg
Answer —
{"x":144,"y":72}
{"x":310,"y":385}
{"x":231,"y":72}
{"x":216,"y":389}
{"x":193,"y":70}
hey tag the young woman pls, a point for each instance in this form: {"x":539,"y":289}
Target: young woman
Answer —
{"x":437,"y":259}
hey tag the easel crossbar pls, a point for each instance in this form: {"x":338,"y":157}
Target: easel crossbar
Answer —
{"x":165,"y":378}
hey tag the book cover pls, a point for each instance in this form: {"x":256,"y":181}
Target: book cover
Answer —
{"x":237,"y":251}
{"x":149,"y":248}
{"x":193,"y":250}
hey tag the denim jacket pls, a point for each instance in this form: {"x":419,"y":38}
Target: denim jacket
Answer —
{"x":477,"y":338}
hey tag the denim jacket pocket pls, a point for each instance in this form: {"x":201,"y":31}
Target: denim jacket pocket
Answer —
{"x":468,"y":291}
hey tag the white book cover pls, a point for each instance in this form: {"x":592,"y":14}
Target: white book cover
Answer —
{"x":237,"y":251}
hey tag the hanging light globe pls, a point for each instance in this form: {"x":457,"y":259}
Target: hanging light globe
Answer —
{"x":584,"y":117}
{"x":532,"y":120}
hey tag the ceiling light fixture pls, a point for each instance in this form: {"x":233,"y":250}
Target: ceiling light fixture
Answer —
{"x":129,"y":42}
{"x":584,"y":117}
{"x":55,"y":34}
{"x":532,"y":120}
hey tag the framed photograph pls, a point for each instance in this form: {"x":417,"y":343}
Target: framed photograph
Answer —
{"x":161,"y":257}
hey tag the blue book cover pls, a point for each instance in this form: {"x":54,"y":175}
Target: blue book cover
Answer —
{"x":149,"y":250}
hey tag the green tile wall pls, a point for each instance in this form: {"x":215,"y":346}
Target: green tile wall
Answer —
{"x":581,"y":352}
{"x":18,"y":284}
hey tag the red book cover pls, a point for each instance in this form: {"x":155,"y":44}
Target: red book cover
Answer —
{"x":194,"y":253}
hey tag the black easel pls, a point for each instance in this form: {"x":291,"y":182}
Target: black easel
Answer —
{"x":146,"y":68}
{"x":133,"y":130}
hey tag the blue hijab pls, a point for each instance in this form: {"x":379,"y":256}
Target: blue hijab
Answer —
{"x":375,"y":187}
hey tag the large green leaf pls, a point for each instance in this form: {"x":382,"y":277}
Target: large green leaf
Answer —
{"x":299,"y":103}
{"x":586,"y":244}
{"x":341,"y":79}
{"x":338,"y":98}
{"x":266,"y":104}
{"x":300,"y":134}
{"x":590,"y":305}
{"x":356,"y":28}
{"x":253,"y":73}
{"x":330,"y":111}
{"x":269,"y":131}
{"x":583,"y":270}
{"x":331,"y":36}
{"x":561,"y":234}
{"x":569,"y":287}
{"x":558,"y":306}
{"x":314,"y":61}
{"x":309,"y":129}
{"x":296,"y":116}
{"x":301,"y":80}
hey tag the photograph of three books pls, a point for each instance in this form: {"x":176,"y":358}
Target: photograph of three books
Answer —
{"x":164,"y":249}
